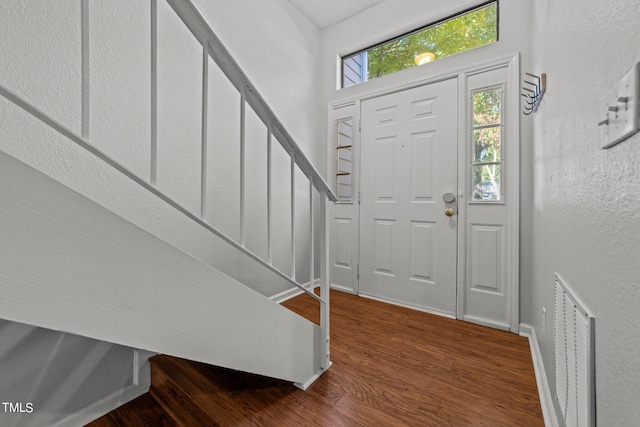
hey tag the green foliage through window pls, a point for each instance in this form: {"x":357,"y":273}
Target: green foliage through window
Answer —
{"x":487,"y":145}
{"x":456,"y":34}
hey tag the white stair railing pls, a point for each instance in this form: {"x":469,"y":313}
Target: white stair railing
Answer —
{"x":213,"y":47}
{"x":249,"y":96}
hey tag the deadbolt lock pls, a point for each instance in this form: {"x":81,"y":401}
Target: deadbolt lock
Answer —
{"x":448,"y":197}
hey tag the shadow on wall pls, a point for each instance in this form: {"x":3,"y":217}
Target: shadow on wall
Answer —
{"x":48,"y":375}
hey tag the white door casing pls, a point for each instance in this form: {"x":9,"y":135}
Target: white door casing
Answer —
{"x":408,"y":245}
{"x":491,"y":237}
{"x":488,"y":233}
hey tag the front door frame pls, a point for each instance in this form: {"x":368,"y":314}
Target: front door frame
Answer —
{"x":351,"y":107}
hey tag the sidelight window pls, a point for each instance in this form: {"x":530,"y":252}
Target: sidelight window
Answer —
{"x":487,"y":138}
{"x":344,"y":165}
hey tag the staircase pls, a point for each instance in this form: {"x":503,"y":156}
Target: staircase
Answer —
{"x":187,"y":393}
{"x":78,"y":262}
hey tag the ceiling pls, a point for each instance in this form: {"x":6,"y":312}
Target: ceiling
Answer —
{"x":324,"y":13}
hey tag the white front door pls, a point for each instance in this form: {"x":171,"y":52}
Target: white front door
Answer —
{"x":408,"y":243}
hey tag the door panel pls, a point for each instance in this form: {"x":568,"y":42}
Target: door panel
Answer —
{"x":491,"y":251}
{"x":408,"y":245}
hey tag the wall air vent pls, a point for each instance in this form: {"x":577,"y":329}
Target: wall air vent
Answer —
{"x":574,"y":339}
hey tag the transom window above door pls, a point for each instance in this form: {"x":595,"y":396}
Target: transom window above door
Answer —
{"x":463,"y":31}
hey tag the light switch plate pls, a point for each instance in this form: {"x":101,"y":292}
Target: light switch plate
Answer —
{"x":621,"y":106}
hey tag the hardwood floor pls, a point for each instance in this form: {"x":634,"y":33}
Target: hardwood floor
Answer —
{"x":392,"y":366}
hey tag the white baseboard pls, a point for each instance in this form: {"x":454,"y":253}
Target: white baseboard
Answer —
{"x":546,"y":400}
{"x":485,"y":322}
{"x":103,"y":407}
{"x":344,"y":289}
{"x":307,"y":384}
{"x":416,"y":307}
{"x":292,"y":293}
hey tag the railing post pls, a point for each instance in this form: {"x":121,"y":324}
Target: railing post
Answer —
{"x":293,"y":216}
{"x":153,"y":174}
{"x":269,"y":192}
{"x":86,"y":82}
{"x":312,"y":242}
{"x":205,"y":109}
{"x":323,"y":223}
{"x":242,"y":166}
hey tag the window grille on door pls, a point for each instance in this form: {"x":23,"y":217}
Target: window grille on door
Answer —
{"x":487,"y":159}
{"x":344,"y":157}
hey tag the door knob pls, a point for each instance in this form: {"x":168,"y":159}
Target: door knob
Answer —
{"x":449,"y":212}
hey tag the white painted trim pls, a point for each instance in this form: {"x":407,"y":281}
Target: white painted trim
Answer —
{"x":350,"y":110}
{"x":357,"y":167}
{"x":325,"y":285}
{"x":546,"y":400}
{"x":269,"y":201}
{"x":312,"y":239}
{"x":416,"y":307}
{"x":243,"y":200}
{"x":344,"y":289}
{"x":293,"y":292}
{"x":153,"y":161}
{"x":136,"y":367}
{"x":204,"y":131}
{"x":461,"y":282}
{"x":85,"y":55}
{"x":485,"y":322}
{"x":513,"y":190}
{"x":512,"y":62}
{"x":141,"y":367}
{"x":286,"y":295}
{"x":306,"y":384}
{"x":470,"y":69}
{"x":511,"y":185}
{"x":103,"y":406}
{"x":293,"y":215}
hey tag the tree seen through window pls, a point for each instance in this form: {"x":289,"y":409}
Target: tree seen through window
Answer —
{"x":457,"y":34}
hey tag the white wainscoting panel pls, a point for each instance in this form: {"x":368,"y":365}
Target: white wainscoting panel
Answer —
{"x":486,"y":263}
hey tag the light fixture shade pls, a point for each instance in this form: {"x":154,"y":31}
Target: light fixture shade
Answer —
{"x":424,"y":57}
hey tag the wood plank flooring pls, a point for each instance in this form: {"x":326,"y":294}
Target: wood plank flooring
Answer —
{"x":392,"y":366}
